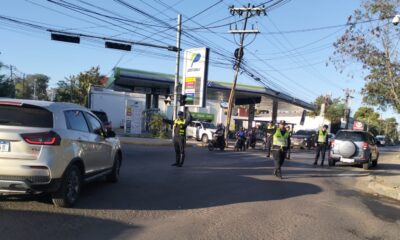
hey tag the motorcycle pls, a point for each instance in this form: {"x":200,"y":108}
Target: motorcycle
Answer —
{"x":216,"y":142}
{"x":251,"y":141}
{"x":240,"y":144}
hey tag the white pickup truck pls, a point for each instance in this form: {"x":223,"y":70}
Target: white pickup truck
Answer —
{"x":201,"y":131}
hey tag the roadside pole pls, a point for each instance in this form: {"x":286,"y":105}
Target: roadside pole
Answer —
{"x":250,"y":11}
{"x":178,"y":59}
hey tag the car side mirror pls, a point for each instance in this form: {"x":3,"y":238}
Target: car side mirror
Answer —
{"x":110,"y":134}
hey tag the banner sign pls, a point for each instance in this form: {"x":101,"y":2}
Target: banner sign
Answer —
{"x":357,"y":125}
{"x":133,"y":117}
{"x":195,"y":76}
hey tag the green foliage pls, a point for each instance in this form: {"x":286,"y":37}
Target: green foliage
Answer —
{"x":376,"y":125}
{"x":157,"y":126}
{"x":75,"y":88}
{"x":373,"y":45}
{"x":6,"y":86}
{"x":334,"y":108}
{"x":25,"y":87}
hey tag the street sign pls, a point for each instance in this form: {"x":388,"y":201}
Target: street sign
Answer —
{"x":357,"y":125}
{"x":195,"y":76}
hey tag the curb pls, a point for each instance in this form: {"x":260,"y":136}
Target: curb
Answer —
{"x":377,"y":185}
{"x":169,"y":144}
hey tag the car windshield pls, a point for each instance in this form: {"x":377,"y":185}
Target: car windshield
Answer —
{"x":304,"y":132}
{"x":352,"y":136}
{"x":25,"y":116}
{"x":209,"y":125}
{"x":101,"y":115}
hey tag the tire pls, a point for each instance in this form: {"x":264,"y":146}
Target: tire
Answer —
{"x":375,"y":162}
{"x":204,"y":138}
{"x":331,"y":162}
{"x":70,"y":189}
{"x":222,"y":148}
{"x":210,"y":147}
{"x":367,"y":165}
{"x":113,"y":177}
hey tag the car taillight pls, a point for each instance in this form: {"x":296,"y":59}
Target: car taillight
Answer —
{"x":43,"y":138}
{"x":332,"y":143}
{"x":365,"y":146}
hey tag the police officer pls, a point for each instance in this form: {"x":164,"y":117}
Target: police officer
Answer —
{"x":321,"y":144}
{"x":179,"y":128}
{"x":280,"y":146}
{"x":271,"y":129}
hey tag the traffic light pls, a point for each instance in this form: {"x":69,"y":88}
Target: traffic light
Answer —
{"x":182,"y":100}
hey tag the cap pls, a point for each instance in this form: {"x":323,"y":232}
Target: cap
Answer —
{"x":282,"y":122}
{"x":180,"y":113}
{"x":326,"y":126}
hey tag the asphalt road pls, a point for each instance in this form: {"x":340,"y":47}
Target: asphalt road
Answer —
{"x":216,"y":195}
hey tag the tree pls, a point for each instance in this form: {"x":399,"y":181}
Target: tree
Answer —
{"x":334,"y":108}
{"x":7,"y":88}
{"x":368,"y":116}
{"x":371,"y":40}
{"x":27,"y":87}
{"x":75,"y":88}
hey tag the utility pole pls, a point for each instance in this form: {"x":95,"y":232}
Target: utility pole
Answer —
{"x":348,"y":96}
{"x":249,"y":12}
{"x":178,"y":59}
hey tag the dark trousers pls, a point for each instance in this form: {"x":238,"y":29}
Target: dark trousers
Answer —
{"x":321,"y":149}
{"x":279,"y":157}
{"x":269,"y":144}
{"x":179,"y":144}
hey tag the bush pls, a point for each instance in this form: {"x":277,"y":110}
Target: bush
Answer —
{"x":157,"y":126}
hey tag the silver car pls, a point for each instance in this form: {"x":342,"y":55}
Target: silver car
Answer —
{"x":54,"y":148}
{"x":355,"y":148}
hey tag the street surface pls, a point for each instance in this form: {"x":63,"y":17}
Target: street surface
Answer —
{"x":216,"y":195}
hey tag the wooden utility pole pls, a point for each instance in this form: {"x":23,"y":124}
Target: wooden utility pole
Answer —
{"x":249,"y":12}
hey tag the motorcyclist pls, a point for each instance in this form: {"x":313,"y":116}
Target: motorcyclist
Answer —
{"x":241,"y":136}
{"x":220,"y":134}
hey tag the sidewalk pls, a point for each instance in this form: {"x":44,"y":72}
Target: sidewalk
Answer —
{"x":385,"y":179}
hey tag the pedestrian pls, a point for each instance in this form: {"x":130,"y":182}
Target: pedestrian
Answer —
{"x":290,"y":135}
{"x":280,"y":146}
{"x":271,"y":129}
{"x":179,"y":139}
{"x":321,"y":144}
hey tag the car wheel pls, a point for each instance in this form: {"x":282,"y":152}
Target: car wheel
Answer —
{"x":68,"y":193}
{"x":113,"y":177}
{"x":367,"y":165}
{"x":204,"y":138}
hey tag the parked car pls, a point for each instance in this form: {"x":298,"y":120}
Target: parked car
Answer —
{"x":331,"y":137}
{"x":354,"y":147}
{"x":54,"y":148}
{"x":303,"y":139}
{"x":103,"y":118}
{"x":381,"y":140}
{"x":201,"y":131}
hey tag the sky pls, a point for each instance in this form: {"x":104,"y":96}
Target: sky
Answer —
{"x":285,"y":59}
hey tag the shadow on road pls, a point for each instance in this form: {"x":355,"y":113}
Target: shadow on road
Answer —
{"x":16,"y":224}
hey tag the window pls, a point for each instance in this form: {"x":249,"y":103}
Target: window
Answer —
{"x":101,"y":115}
{"x":96,"y":125}
{"x":76,"y":121}
{"x":25,"y":116}
{"x":351,"y":136}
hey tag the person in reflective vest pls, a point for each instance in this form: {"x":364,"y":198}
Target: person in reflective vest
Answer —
{"x":321,"y":144}
{"x":271,"y":129}
{"x":179,"y":128}
{"x":280,"y":146}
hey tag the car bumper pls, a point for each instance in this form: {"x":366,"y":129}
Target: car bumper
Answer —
{"x":31,"y":184}
{"x":356,"y":160}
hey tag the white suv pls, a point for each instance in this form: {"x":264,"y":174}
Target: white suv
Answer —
{"x":201,"y":130}
{"x":54,"y":148}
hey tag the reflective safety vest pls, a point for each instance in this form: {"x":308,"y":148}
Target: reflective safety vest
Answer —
{"x":179,"y":127}
{"x":322,"y":136}
{"x":279,"y":139}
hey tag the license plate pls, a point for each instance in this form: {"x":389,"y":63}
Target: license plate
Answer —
{"x":347,"y":160}
{"x":4,"y":146}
